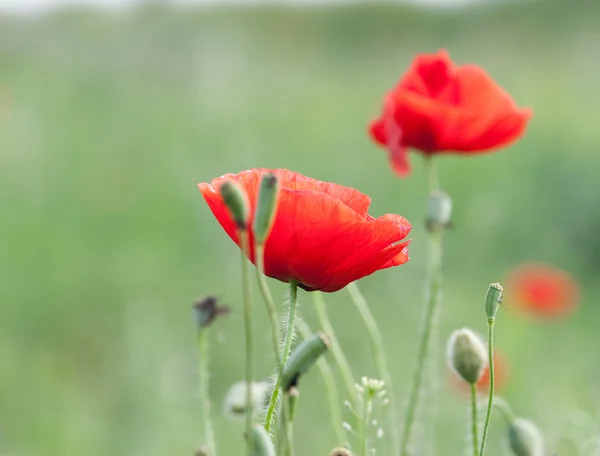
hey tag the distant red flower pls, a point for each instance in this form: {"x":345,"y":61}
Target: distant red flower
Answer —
{"x":501,"y":374}
{"x":440,"y":107}
{"x":542,"y":291}
{"x":322,"y":237}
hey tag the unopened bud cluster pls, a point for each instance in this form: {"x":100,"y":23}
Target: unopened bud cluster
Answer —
{"x":467,"y":355}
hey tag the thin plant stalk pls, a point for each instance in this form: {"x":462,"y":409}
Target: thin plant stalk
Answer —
{"x":378,"y":355}
{"x":248,"y":330}
{"x":474,"y":431}
{"x":488,"y":413}
{"x":433,"y":298}
{"x":333,"y":399}
{"x":287,"y":346}
{"x":209,"y":434}
{"x":338,"y":354}
{"x":271,"y":308}
{"x":364,"y":441}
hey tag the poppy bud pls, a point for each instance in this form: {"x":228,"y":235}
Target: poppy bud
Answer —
{"x":206,"y":310}
{"x":266,"y":207}
{"x":202,"y":451}
{"x":234,"y":406}
{"x":493,"y":299}
{"x":237,"y":203}
{"x":340,"y":452}
{"x":467,"y":355}
{"x":525,"y":439}
{"x":302,"y":358}
{"x":439,"y":210}
{"x":261,"y":443}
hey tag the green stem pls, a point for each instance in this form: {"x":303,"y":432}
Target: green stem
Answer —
{"x":474,"y":418}
{"x":291,"y":401}
{"x":271,"y":308}
{"x":287,"y":346}
{"x":488,"y":413}
{"x":336,"y":349}
{"x":209,"y":434}
{"x":364,"y":441}
{"x":504,"y":410}
{"x":249,"y":338}
{"x":378,"y":355}
{"x":331,"y":389}
{"x":434,"y":276}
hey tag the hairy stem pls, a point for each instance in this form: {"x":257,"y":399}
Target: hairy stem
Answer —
{"x":209,"y":434}
{"x":287,"y":346}
{"x":434,"y":281}
{"x":248,"y":330}
{"x":474,"y":432}
{"x":488,"y":413}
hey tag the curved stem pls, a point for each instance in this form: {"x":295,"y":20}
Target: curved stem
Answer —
{"x":474,"y":418}
{"x":338,"y":354}
{"x":331,"y":389}
{"x":488,"y":413}
{"x":434,"y":276}
{"x":287,"y":346}
{"x":209,"y":434}
{"x":271,"y":309}
{"x":378,"y":355}
{"x":248,"y":330}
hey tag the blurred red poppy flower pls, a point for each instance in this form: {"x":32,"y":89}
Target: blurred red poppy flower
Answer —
{"x":322,"y":237}
{"x":501,"y":374}
{"x":440,"y":107}
{"x":542,"y":291}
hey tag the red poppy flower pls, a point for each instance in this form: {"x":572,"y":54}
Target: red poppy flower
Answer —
{"x":440,"y":107}
{"x":501,"y":374}
{"x":322,"y":237}
{"x":542,"y":291}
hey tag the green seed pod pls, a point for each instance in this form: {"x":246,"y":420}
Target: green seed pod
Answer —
{"x":467,"y":355}
{"x":236,"y":201}
{"x":265,"y":208}
{"x":261,"y":443}
{"x":493,"y":299}
{"x":439,"y":210}
{"x":302,"y":358}
{"x":525,"y":439}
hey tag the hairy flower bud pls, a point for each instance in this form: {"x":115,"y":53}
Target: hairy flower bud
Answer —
{"x":439,"y":210}
{"x":467,"y":355}
{"x":236,"y":201}
{"x":261,"y":443}
{"x":340,"y":452}
{"x":234,"y":406}
{"x":265,"y":207}
{"x":525,"y":439}
{"x":302,"y":358}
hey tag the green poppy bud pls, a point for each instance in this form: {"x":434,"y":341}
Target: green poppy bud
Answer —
{"x":525,"y":439}
{"x":236,"y":201}
{"x":467,"y":355}
{"x":265,"y":208}
{"x":493,"y":299}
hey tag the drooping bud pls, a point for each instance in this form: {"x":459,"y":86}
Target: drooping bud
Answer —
{"x":234,"y":405}
{"x":439,"y":210}
{"x":340,"y":452}
{"x":261,"y":443}
{"x":493,"y":299}
{"x":206,"y":310}
{"x":266,"y":208}
{"x":525,"y":439}
{"x":302,"y":358}
{"x":236,"y":201}
{"x":467,"y":355}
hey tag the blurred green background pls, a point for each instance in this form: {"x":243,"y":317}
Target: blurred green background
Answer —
{"x":109,"y":121}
